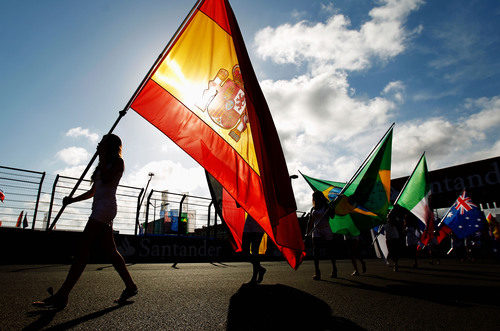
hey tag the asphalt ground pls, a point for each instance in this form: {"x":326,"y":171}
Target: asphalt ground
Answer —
{"x":204,"y":296}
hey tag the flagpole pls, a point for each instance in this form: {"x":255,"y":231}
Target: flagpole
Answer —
{"x":445,"y":215}
{"x":449,"y":209}
{"x":364,"y":162}
{"x":402,"y":190}
{"x":123,"y":112}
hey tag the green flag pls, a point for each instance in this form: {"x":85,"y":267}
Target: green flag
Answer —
{"x":415,"y":194}
{"x":329,"y":188}
{"x":371,"y":187}
{"x":365,"y":201}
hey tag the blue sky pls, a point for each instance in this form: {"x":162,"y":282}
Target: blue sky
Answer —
{"x":336,"y":74}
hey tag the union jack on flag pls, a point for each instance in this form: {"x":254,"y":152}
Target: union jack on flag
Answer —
{"x":464,"y":217}
{"x":464,"y":203}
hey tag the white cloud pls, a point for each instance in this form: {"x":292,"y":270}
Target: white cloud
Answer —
{"x":321,"y":122}
{"x":396,"y":89}
{"x":80,"y":132}
{"x":171,"y":176}
{"x":328,"y":8}
{"x":334,"y":43}
{"x":313,"y":109}
{"x":298,"y":14}
{"x":487,"y":118}
{"x":74,"y":172}
{"x":73,"y":155}
{"x":448,"y":142}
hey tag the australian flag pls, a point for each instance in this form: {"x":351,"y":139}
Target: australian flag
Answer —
{"x":464,"y":217}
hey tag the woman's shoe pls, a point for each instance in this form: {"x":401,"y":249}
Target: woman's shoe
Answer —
{"x":355,"y":273}
{"x":126,"y":294}
{"x":52,"y":302}
{"x":317,"y":277}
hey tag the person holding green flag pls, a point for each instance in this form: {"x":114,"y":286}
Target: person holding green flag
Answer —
{"x":322,"y":236}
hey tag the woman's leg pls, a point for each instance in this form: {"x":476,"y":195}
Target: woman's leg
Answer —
{"x":316,"y":252}
{"x":331,"y":249}
{"x":89,"y":234}
{"x":354,"y":255}
{"x":414,"y":252}
{"x":109,"y":245}
{"x":258,"y":270}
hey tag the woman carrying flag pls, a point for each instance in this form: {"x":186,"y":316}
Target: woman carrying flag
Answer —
{"x":99,"y":227}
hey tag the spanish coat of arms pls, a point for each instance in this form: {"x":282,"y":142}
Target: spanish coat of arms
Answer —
{"x":224,"y":101}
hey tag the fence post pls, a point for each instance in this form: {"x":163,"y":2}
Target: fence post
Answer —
{"x":138,"y":211}
{"x":180,"y":215}
{"x":208,"y":219}
{"x":37,"y":200}
{"x":215,"y":226}
{"x":52,"y":201}
{"x":147,"y":211}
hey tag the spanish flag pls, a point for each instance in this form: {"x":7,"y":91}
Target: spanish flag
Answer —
{"x":204,"y":95}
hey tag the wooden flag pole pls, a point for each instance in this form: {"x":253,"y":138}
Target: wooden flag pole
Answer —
{"x":127,"y":107}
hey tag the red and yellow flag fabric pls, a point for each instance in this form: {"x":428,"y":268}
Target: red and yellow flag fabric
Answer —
{"x":19,"y":219}
{"x":235,"y":217}
{"x":204,"y":95}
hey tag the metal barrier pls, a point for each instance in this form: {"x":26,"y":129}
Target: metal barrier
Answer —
{"x":22,"y":190}
{"x":39,"y":197}
{"x":181,"y":214}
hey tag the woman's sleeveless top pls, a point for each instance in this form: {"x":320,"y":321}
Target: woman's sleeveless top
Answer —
{"x":104,"y":204}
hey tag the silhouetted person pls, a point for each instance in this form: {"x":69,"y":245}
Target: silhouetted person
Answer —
{"x":252,"y":237}
{"x":392,"y":240}
{"x":355,"y":245}
{"x":412,"y":238}
{"x":458,"y":245}
{"x":99,"y":227}
{"x":434,"y":249}
{"x":322,"y":236}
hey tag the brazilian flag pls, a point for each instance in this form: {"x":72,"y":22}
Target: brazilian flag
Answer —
{"x":365,"y":200}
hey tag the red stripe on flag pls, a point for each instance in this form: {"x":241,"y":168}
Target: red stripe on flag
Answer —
{"x":203,"y":144}
{"x":216,"y":10}
{"x":234,"y":218}
{"x":444,"y":231}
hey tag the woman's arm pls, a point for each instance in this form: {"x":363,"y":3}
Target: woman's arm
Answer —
{"x":87,"y":195}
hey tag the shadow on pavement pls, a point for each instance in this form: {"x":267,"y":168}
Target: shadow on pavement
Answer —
{"x":220,"y":264}
{"x":111,"y":266}
{"x":280,"y":307}
{"x":38,"y":267}
{"x":447,"y":294}
{"x":468,"y":277}
{"x":46,"y":316}
{"x":459,"y":271}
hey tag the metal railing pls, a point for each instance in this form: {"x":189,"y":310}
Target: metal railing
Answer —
{"x":22,"y":190}
{"x":39,"y":197}
{"x":173,"y":213}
